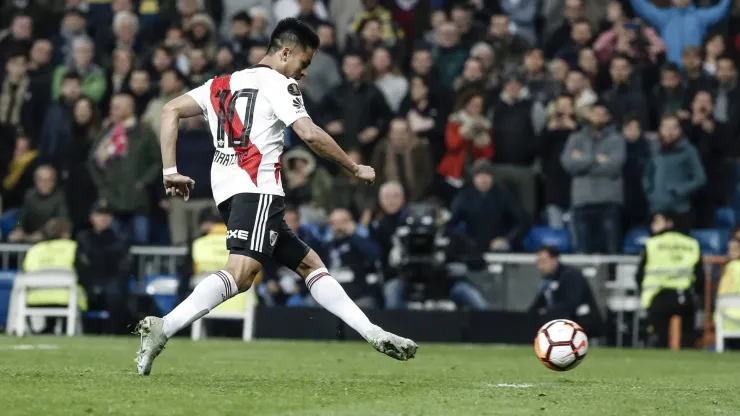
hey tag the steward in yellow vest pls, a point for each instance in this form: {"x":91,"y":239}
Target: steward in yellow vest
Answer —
{"x":730,"y":285}
{"x":670,"y":275}
{"x":59,"y":251}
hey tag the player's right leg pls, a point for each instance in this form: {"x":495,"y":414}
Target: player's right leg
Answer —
{"x":236,"y":277}
{"x":247,"y":216}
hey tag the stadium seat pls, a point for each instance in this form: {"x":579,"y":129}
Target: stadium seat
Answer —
{"x":634,"y":242}
{"x":725,"y":218}
{"x":240,"y":307}
{"x":711,"y":241}
{"x":7,"y":223}
{"x":163,"y":290}
{"x":546,"y":236}
{"x":43,"y":279}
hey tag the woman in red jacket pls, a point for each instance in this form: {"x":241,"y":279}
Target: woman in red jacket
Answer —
{"x":468,"y":137}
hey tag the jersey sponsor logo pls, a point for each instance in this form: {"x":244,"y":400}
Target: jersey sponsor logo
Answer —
{"x":298,"y":104}
{"x":293,"y":90}
{"x":238,"y":234}
{"x":273,"y":238}
{"x":224,"y":159}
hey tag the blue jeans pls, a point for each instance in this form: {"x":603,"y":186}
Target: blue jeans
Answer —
{"x":598,"y":228}
{"x":134,"y":227}
{"x":462,"y":293}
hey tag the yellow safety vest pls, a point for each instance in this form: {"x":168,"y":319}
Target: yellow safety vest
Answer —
{"x":52,"y":254}
{"x":670,"y":261}
{"x":730,"y":285}
{"x":210,"y":254}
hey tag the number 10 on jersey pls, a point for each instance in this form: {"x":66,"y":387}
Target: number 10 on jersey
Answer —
{"x":230,"y":126}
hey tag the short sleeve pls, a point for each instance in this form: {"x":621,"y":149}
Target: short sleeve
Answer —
{"x":202,"y":95}
{"x":287,"y":101}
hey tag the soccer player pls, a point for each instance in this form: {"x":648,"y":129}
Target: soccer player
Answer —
{"x":247,"y":112}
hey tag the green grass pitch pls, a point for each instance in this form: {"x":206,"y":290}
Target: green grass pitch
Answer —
{"x":95,"y":376}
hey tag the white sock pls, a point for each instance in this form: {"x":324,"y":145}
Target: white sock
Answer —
{"x":211,"y":292}
{"x":329,"y":294}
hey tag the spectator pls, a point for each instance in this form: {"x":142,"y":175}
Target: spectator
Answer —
{"x":22,"y":101}
{"x":92,"y":76}
{"x":674,"y":172}
{"x":640,"y":43}
{"x":523,"y":15}
{"x":638,"y":154}
{"x":40,"y":67}
{"x":74,"y":25}
{"x":162,"y":58}
{"x":508,"y":48}
{"x":450,"y":55}
{"x":139,"y":87}
{"x":18,"y":37}
{"x":351,"y":258}
{"x":404,"y":158}
{"x":256,"y":53}
{"x":559,"y":70}
{"x":387,"y":77}
{"x":565,"y":292}
{"x":561,"y":123}
{"x":123,"y":63}
{"x":223,"y":62}
{"x":682,"y":24}
{"x":597,"y":75}
{"x":436,"y":18}
{"x":323,"y":74}
{"x":517,"y":122}
{"x":260,"y":18}
{"x":483,"y":52}
{"x":311,"y":12}
{"x":124,"y":162}
{"x":353,"y":194}
{"x":368,"y":39}
{"x":489,"y":214}
{"x":727,"y":95}
{"x":581,"y":36}
{"x":577,"y":85}
{"x":714,"y":48}
{"x":473,"y":77}
{"x":468,"y":138}
{"x":40,"y":204}
{"x":103,"y":267}
{"x":171,"y":86}
{"x":240,"y":41}
{"x":625,"y":97}
{"x":200,"y":33}
{"x":389,"y":30}
{"x":540,"y":83}
{"x":392,"y":214}
{"x":19,"y":173}
{"x":707,"y":136}
{"x":615,"y":17}
{"x":461,"y":15}
{"x":356,"y":111}
{"x":307,"y":185}
{"x":122,"y":34}
{"x":199,"y":66}
{"x":426,"y":116}
{"x":694,"y":76}
{"x":573,"y":11}
{"x":669,"y":96}
{"x":594,"y":156}
{"x":55,"y":132}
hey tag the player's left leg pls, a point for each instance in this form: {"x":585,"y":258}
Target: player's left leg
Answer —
{"x":294,"y":254}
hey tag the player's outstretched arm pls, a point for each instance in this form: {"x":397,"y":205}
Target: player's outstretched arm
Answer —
{"x":183,"y":106}
{"x":320,"y":142}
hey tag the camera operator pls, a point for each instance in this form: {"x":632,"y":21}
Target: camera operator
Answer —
{"x":426,"y":254}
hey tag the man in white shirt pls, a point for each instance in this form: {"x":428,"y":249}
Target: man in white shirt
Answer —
{"x":247,"y":113}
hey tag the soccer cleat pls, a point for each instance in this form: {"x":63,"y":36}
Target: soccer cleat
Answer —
{"x":392,"y":345}
{"x":152,"y":343}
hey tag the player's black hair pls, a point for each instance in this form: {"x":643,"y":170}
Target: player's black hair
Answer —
{"x":292,"y":32}
{"x":551,"y":251}
{"x":670,"y":67}
{"x":242,"y":16}
{"x":72,"y":75}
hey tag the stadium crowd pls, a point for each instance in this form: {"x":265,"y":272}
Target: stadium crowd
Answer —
{"x":576,"y":115}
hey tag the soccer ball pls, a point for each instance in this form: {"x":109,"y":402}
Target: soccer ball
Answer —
{"x":561,"y":345}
